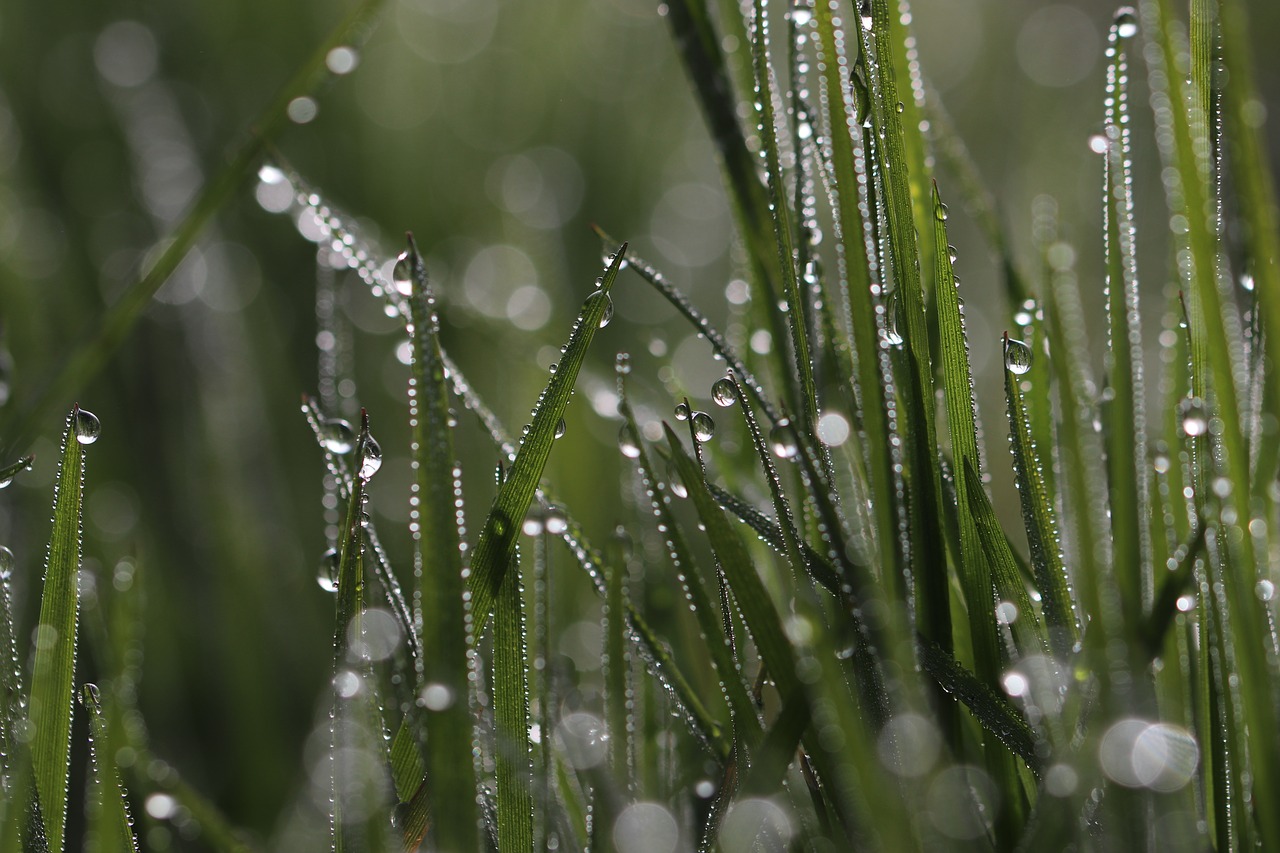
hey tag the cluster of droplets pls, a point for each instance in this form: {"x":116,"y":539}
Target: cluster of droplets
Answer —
{"x":704,"y":427}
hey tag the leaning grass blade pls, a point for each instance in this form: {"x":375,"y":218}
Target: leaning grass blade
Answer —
{"x":1124,"y":413}
{"x":111,"y":826}
{"x":438,"y":564}
{"x":8,"y":472}
{"x":95,"y":352}
{"x":498,"y":536}
{"x":50,"y":703}
{"x":511,"y":717}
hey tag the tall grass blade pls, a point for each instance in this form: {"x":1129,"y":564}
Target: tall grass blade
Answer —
{"x":111,"y":825}
{"x":498,"y":536}
{"x":50,"y":704}
{"x":438,"y":565}
{"x":513,"y":755}
{"x":12,"y":698}
{"x":95,"y":350}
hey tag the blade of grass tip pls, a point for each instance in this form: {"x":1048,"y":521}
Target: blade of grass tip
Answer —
{"x":110,"y":824}
{"x":1039,"y":515}
{"x":8,"y":472}
{"x":658,"y":659}
{"x":1123,"y":410}
{"x":1212,"y":335}
{"x":719,"y":345}
{"x":805,"y":395}
{"x":94,"y":353}
{"x":445,"y":677}
{"x":50,"y":703}
{"x":513,"y":756}
{"x":498,"y":536}
{"x":1254,"y":187}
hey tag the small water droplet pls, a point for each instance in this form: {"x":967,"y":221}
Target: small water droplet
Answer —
{"x":900,"y":106}
{"x":622,"y":363}
{"x":1017,"y":356}
{"x":1126,"y":22}
{"x":560,"y":428}
{"x":722,"y":392}
{"x":372,"y":460}
{"x":675,"y":483}
{"x":703,"y":426}
{"x":682,"y":411}
{"x":555,"y":521}
{"x":952,"y":254}
{"x":338,"y":436}
{"x":940,"y":212}
{"x":87,"y":427}
{"x":327,"y":574}
{"x":627,"y":442}
{"x":783,"y":440}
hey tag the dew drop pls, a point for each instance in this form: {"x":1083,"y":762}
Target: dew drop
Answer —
{"x":556,"y":522}
{"x":622,"y":363}
{"x":675,"y":483}
{"x":327,"y":573}
{"x":1195,"y":421}
{"x":1017,"y":356}
{"x":783,"y":441}
{"x":608,"y":306}
{"x":372,"y":460}
{"x":722,"y":392}
{"x":338,"y":436}
{"x":1126,"y":23}
{"x":1265,"y":589}
{"x":6,"y":563}
{"x":560,"y":428}
{"x":682,"y":411}
{"x":703,"y":426}
{"x":627,"y":442}
{"x":87,"y":427}
{"x":940,"y":212}
{"x":400,"y":274}
{"x":952,"y":254}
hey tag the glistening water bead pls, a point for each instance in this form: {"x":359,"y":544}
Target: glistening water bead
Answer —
{"x":400,"y":274}
{"x":627,"y":442}
{"x":722,"y":392}
{"x":372,"y":460}
{"x":1126,"y":22}
{"x":1017,"y":356}
{"x":783,"y":441}
{"x":338,"y":436}
{"x":86,"y":426}
{"x":703,"y":426}
{"x":682,"y":411}
{"x":327,"y":572}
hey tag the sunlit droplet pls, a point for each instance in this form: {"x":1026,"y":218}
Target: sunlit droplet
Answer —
{"x":783,"y":440}
{"x":1126,"y":23}
{"x":327,"y":574}
{"x":682,"y":411}
{"x":722,"y":392}
{"x":1017,"y":356}
{"x":338,"y":436}
{"x":627,"y":442}
{"x":372,"y":459}
{"x":86,"y":426}
{"x":703,"y":426}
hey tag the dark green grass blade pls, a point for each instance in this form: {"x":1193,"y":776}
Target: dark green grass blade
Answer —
{"x":110,"y":824}
{"x":1177,"y":582}
{"x":1040,"y":519}
{"x":95,"y":351}
{"x":498,"y":536}
{"x":819,"y":568}
{"x":8,"y":472}
{"x":438,"y":564}
{"x":11,"y":695}
{"x":50,"y":703}
{"x":513,"y":756}
{"x":1213,"y":347}
{"x":1124,"y":413}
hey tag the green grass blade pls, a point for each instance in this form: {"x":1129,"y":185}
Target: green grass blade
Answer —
{"x":50,"y":703}
{"x":111,"y":826}
{"x":94,"y":353}
{"x":8,"y":472}
{"x":438,"y":565}
{"x":11,"y":695}
{"x":513,"y":756}
{"x":498,"y":536}
{"x":1124,"y":412}
{"x":1176,"y":583}
{"x":617,"y":682}
{"x":1039,"y":515}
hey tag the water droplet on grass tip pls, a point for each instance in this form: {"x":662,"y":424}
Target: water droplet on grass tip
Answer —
{"x":940,"y":212}
{"x":327,"y":574}
{"x":783,"y":441}
{"x":1126,"y":23}
{"x":372,"y":460}
{"x":87,"y":427}
{"x":682,"y":411}
{"x":703,"y":426}
{"x":722,"y":392}
{"x":608,"y":306}
{"x":401,"y":274}
{"x":1017,"y":356}
{"x":338,"y":436}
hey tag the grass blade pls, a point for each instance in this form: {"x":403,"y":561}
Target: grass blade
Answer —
{"x":111,"y":826}
{"x":498,"y":536}
{"x":513,"y":755}
{"x":50,"y":704}
{"x":438,"y":565}
{"x":8,"y":472}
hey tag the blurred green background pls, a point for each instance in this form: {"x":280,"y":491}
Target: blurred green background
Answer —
{"x":496,"y":131}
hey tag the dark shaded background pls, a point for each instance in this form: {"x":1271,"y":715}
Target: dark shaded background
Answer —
{"x":496,"y":131}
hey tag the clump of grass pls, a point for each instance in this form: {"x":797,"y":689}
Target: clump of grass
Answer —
{"x":868,"y":658}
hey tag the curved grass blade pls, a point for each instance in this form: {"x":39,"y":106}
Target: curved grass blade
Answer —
{"x":438,"y":565}
{"x":513,"y":756}
{"x":111,"y":825}
{"x":95,"y":351}
{"x":498,"y":536}
{"x":50,"y":703}
{"x":1039,"y":517}
{"x":8,"y":472}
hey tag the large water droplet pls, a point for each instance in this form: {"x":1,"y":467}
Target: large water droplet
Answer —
{"x":682,"y":411}
{"x":372,"y":460}
{"x":674,"y":483}
{"x":6,"y":563}
{"x":327,"y":572}
{"x":401,"y":275}
{"x":940,"y":212}
{"x":338,"y":436}
{"x":560,"y":428}
{"x":1195,"y":421}
{"x":1126,"y":22}
{"x":87,"y":427}
{"x":608,"y":306}
{"x":783,"y":440}
{"x":722,"y":392}
{"x":703,"y":426}
{"x":1017,"y":356}
{"x":627,"y":442}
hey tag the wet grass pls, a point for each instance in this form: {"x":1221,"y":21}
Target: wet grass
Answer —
{"x":815,"y":632}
